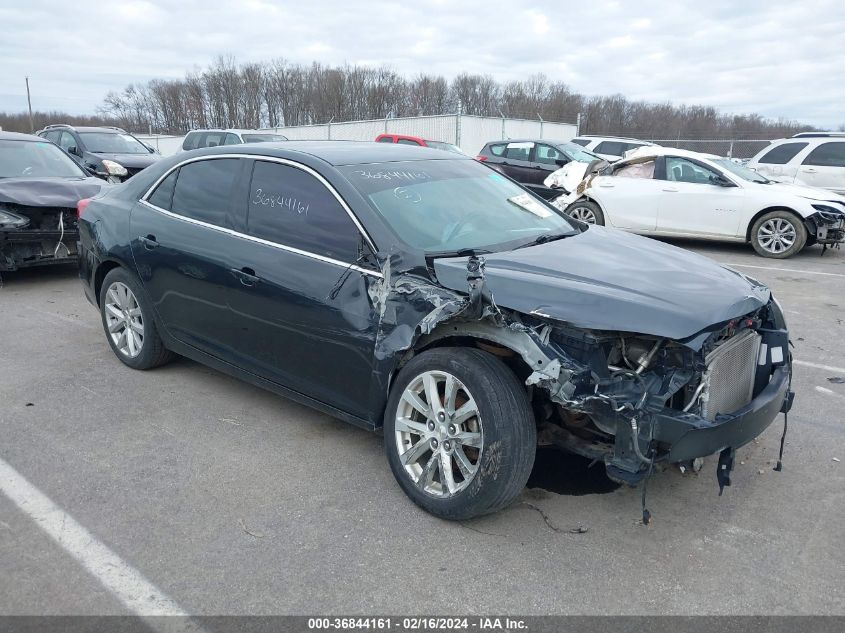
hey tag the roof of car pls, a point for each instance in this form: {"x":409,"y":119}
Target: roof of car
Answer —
{"x":234,"y":130}
{"x":614,"y":138}
{"x":548,"y":141}
{"x":658,"y":150}
{"x":338,"y":152}
{"x":17,"y":136}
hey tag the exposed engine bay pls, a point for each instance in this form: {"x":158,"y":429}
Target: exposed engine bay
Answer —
{"x":35,"y":236}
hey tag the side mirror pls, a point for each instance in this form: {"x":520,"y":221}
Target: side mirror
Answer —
{"x":721,"y":181}
{"x":73,"y":150}
{"x":560,"y":162}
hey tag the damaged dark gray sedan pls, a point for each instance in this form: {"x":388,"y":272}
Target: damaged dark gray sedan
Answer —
{"x":422,"y":293}
{"x":39,"y":188}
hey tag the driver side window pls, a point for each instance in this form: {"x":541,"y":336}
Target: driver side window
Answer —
{"x":683,"y":170}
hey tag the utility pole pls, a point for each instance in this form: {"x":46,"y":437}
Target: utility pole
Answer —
{"x":29,"y":102}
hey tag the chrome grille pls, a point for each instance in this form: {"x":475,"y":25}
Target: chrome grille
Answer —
{"x":729,"y":377}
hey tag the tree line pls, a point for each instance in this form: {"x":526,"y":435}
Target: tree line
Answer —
{"x":279,"y":93}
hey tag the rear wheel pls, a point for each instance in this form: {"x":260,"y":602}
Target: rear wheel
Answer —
{"x":586,"y":211}
{"x":778,"y":234}
{"x":128,"y":322}
{"x":459,"y":432}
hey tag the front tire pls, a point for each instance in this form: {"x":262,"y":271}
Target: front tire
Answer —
{"x":586,"y":211}
{"x":128,"y":322}
{"x":778,"y":234}
{"x":459,"y":431}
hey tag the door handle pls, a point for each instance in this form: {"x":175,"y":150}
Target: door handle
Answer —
{"x":149,"y":242}
{"x":809,"y":170}
{"x":675,"y":189}
{"x":606,"y":185}
{"x":246,"y":276}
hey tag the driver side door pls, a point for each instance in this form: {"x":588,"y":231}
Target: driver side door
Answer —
{"x":691,"y":204}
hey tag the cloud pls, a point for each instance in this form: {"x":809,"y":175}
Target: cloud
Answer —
{"x":780,"y":59}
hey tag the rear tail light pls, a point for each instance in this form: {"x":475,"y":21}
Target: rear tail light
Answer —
{"x":80,"y":206}
{"x":481,"y":158}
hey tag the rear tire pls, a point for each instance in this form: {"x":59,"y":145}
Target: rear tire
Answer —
{"x":778,"y":235}
{"x":470,"y":454}
{"x":128,"y":322}
{"x":586,"y":211}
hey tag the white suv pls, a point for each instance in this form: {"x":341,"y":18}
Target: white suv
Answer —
{"x":610,"y":148}
{"x":813,"y":159}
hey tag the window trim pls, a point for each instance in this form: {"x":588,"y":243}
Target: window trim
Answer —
{"x":284,"y":161}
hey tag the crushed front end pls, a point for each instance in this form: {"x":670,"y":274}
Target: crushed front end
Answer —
{"x":639,"y":400}
{"x":36,"y":235}
{"x":826,"y":226}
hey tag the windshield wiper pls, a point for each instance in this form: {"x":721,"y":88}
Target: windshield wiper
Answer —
{"x":545,"y":238}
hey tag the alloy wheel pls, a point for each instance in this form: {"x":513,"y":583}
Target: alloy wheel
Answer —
{"x":585,"y":214}
{"x":123,"y":319}
{"x":439,"y":434}
{"x":776,"y":235}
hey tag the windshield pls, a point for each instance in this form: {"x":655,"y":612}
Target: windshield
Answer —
{"x":446,"y":206}
{"x":739,"y":170}
{"x":444,"y":146}
{"x":578,"y":154}
{"x":263,"y":138}
{"x":113,"y":143}
{"x":29,"y":159}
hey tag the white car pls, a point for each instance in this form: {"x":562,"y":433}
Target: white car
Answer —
{"x":816,"y":159}
{"x":670,"y":192}
{"x":611,"y":148}
{"x":197,"y":139}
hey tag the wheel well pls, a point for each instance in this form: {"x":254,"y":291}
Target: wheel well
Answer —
{"x":508,"y":356}
{"x":102,"y":270}
{"x":763,"y":212}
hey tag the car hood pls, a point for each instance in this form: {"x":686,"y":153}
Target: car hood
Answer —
{"x":605,"y":279}
{"x":132,"y":161}
{"x":811,"y":193}
{"x":49,"y":192}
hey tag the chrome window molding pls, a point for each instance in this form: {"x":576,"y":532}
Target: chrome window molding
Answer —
{"x":270,"y":159}
{"x":258,"y":240}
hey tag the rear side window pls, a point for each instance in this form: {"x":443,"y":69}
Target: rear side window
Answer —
{"x":407,"y":141}
{"x":518,"y":151}
{"x":163,"y":194}
{"x":827,"y":155}
{"x":613,"y":148}
{"x":782,"y":154}
{"x":580,"y":141}
{"x":191,"y":140}
{"x":386,"y":139}
{"x":497,"y":150}
{"x":291,"y":207}
{"x":204,"y":190}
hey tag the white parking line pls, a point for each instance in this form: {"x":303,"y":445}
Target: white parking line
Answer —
{"x":829,"y":392}
{"x":126,"y":583}
{"x":789,"y":270}
{"x":839,"y":370}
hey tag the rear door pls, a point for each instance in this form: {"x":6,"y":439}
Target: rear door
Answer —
{"x":824,"y":167}
{"x":692,"y":205}
{"x":629,"y":199}
{"x":306,"y":320}
{"x":186,"y":254}
{"x":516,"y":161}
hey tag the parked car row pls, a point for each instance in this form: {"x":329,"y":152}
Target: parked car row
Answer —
{"x":676,"y":193}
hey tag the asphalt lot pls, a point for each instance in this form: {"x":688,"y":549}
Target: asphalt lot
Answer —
{"x":231,"y":500}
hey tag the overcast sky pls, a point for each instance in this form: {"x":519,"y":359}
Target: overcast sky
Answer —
{"x":778,"y":58}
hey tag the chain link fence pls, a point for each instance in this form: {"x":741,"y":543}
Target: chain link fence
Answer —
{"x":730,"y":148}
